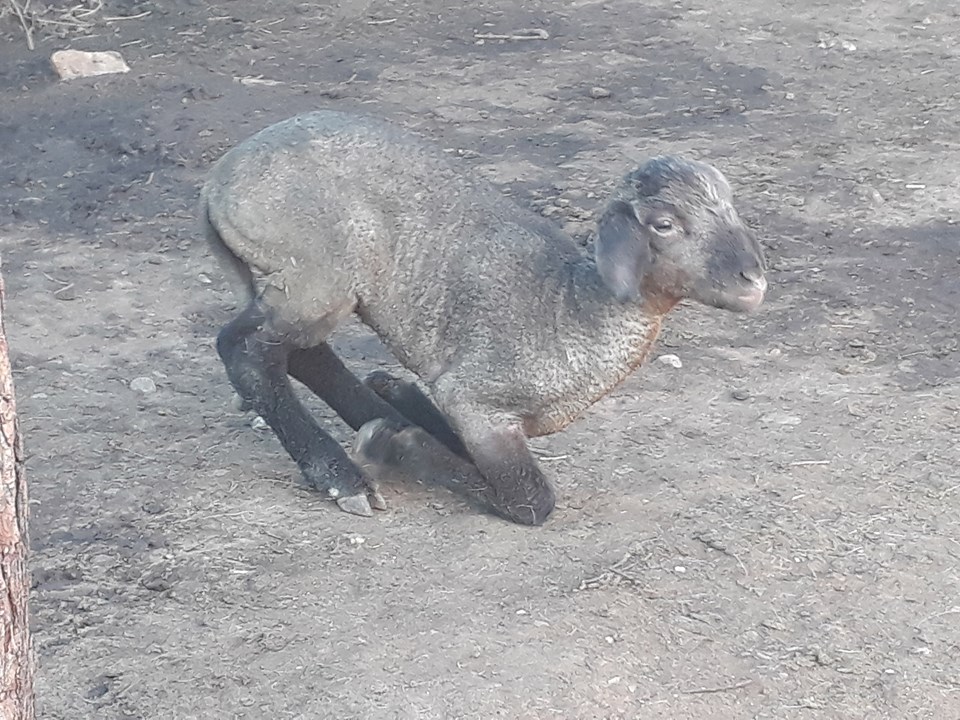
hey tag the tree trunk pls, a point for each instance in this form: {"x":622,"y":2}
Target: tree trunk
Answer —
{"x":16,"y":655}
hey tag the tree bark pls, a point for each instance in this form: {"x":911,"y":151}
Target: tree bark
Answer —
{"x":16,"y":654}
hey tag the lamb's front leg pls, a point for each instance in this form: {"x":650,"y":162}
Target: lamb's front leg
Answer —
{"x":504,"y":476}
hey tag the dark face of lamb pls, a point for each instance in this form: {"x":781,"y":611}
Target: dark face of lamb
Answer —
{"x":671,"y":232}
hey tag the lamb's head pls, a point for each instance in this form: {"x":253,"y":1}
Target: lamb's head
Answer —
{"x":671,"y":232}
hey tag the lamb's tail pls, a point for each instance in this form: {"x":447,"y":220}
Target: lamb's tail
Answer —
{"x":240,"y":275}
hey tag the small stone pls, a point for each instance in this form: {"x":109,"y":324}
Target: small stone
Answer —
{"x":740,"y":395}
{"x":97,"y":691}
{"x":258,"y":423}
{"x":204,"y":279}
{"x":156,"y":583}
{"x":152,"y":507}
{"x":143,"y":385}
{"x":680,"y":569}
{"x":70,"y":64}
{"x":671,"y":360}
{"x":68,"y":292}
{"x":599,"y":93}
{"x":781,"y":419}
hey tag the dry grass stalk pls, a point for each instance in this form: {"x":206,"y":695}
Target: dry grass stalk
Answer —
{"x":62,"y":21}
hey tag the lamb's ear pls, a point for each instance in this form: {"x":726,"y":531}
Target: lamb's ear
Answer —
{"x":623,"y":252}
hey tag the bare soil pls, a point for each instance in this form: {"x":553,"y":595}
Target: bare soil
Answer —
{"x":770,"y":531}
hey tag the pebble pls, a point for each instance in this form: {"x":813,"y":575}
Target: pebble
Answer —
{"x":68,"y":292}
{"x":258,"y":423}
{"x":156,"y":583}
{"x":152,"y":507}
{"x":740,"y":395}
{"x":671,"y":360}
{"x":599,"y":93}
{"x":143,"y":385}
{"x":781,"y":419}
{"x":70,"y":64}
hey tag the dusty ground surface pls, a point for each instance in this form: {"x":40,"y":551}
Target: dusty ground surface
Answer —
{"x":770,"y":531}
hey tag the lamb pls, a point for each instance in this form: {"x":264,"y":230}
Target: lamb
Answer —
{"x":510,"y":326}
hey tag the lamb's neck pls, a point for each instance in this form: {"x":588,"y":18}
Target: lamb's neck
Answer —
{"x":590,"y":310}
{"x":600,"y":342}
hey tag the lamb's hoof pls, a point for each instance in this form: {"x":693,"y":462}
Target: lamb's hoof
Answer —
{"x":372,"y":443}
{"x":377,"y":501}
{"x":356,"y":505}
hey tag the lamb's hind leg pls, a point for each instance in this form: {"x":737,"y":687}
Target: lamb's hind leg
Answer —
{"x":256,"y":363}
{"x":325,"y":374}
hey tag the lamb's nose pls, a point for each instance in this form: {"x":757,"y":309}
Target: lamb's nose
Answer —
{"x":757,"y":279}
{"x":755,"y":275}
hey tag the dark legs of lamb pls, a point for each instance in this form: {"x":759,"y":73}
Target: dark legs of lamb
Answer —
{"x":517,"y":488}
{"x":503,"y":476}
{"x":257,"y":365}
{"x":325,"y":375}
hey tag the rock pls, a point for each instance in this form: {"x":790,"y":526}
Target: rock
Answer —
{"x":258,"y":423}
{"x":599,"y":93}
{"x":740,"y":394}
{"x":68,"y":292}
{"x":780,"y":419}
{"x":152,"y":507}
{"x":671,"y":360}
{"x":156,"y":583}
{"x":143,"y":385}
{"x":70,"y":64}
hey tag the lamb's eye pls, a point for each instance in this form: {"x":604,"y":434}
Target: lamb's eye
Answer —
{"x":664,"y":226}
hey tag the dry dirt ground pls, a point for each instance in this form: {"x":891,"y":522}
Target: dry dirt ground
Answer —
{"x":770,"y":531}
